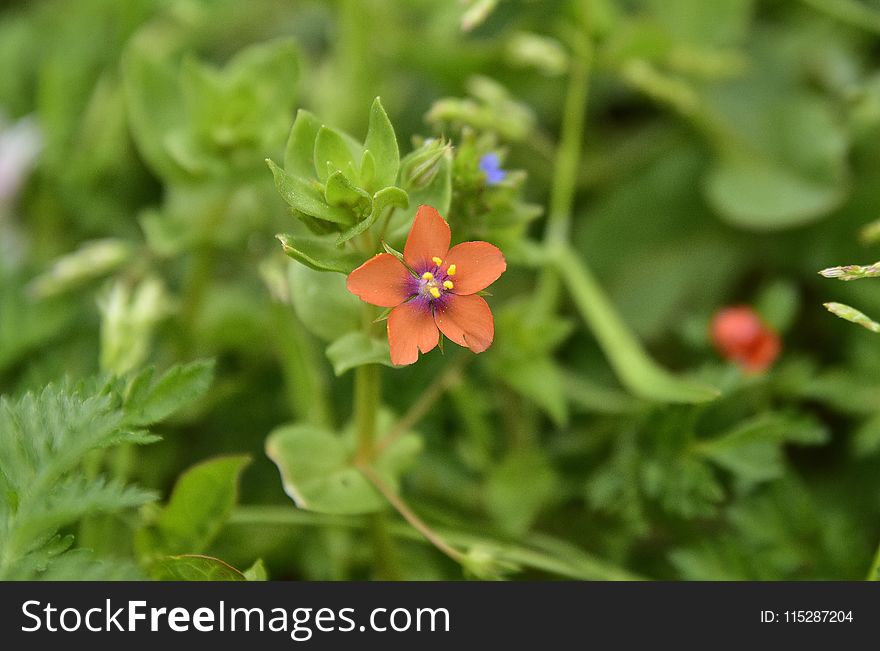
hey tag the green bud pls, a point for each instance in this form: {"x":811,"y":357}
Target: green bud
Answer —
{"x":423,"y":164}
{"x":852,"y":272}
{"x":129,"y":314}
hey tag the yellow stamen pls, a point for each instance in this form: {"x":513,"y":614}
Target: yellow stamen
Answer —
{"x":448,"y":284}
{"x":428,"y":276}
{"x":451,"y":270}
{"x":435,"y":292}
{"x":437,"y":261}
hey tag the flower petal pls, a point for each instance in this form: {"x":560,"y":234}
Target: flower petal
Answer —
{"x":428,"y":238}
{"x":477,"y":265}
{"x":382,"y":280}
{"x":466,"y":320}
{"x":411,"y":328}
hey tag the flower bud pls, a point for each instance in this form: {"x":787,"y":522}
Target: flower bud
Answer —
{"x":128,"y":317}
{"x":422,"y":165}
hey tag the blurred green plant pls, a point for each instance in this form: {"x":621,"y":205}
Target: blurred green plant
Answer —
{"x":640,"y":164}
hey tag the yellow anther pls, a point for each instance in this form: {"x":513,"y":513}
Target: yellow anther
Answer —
{"x":428,"y":276}
{"x":435,"y":292}
{"x":451,"y":270}
{"x":448,"y":284}
{"x":437,"y":261}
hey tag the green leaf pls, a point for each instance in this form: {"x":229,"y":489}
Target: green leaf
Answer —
{"x":638,"y":372}
{"x":334,"y":151}
{"x":356,"y":349}
{"x":46,"y":441}
{"x":148,"y":401}
{"x":761,"y":195}
{"x":153,"y":103}
{"x":769,"y":175}
{"x":319,"y":253}
{"x":305,"y":196}
{"x":323,"y":303}
{"x":317,"y":472}
{"x":299,"y":156}
{"x":194,"y":567}
{"x":339,"y":191}
{"x":384,"y":198}
{"x":382,"y":144}
{"x":368,"y":169}
{"x":202,"y":500}
{"x":273,"y":65}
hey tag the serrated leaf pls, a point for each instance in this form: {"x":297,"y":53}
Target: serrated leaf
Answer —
{"x":753,"y":449}
{"x":306,"y":197}
{"x":194,"y":567}
{"x":317,"y":472}
{"x":148,"y":401}
{"x":382,"y":144}
{"x":356,"y":349}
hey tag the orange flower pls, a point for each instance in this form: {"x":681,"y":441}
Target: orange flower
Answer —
{"x":740,"y":336}
{"x":433,"y":290}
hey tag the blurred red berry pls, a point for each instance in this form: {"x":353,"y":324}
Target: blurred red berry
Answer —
{"x":740,"y":336}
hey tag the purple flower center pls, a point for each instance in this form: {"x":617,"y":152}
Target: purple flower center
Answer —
{"x":431,"y":286}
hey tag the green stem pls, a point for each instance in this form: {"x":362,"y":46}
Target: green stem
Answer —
{"x":366,"y":403}
{"x":450,"y":377}
{"x":635,"y":369}
{"x":568,"y":157}
{"x":409,"y":515}
{"x":387,"y":568}
{"x":579,"y":565}
{"x":874,"y":572}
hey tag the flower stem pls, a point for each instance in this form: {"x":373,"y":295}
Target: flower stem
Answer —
{"x":366,"y":402}
{"x":450,"y":377}
{"x":542,"y":553}
{"x":415,"y":521}
{"x":568,"y":155}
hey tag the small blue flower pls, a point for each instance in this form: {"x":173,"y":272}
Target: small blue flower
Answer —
{"x":490,"y":164}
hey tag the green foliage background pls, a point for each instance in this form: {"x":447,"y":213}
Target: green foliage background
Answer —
{"x":729,"y":150}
